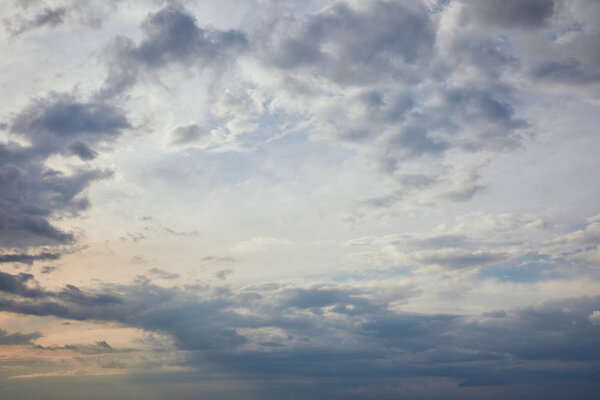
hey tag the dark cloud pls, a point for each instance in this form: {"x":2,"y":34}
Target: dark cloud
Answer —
{"x":99,"y":347}
{"x":513,"y":13}
{"x":103,"y":344}
{"x":17,"y":285}
{"x":28,"y":258}
{"x":48,"y":269}
{"x":171,"y":36}
{"x":82,"y":151}
{"x":344,"y":324}
{"x":17,"y":338}
{"x":61,"y":123}
{"x":31,"y":193}
{"x":566,"y":71}
{"x":74,"y":295}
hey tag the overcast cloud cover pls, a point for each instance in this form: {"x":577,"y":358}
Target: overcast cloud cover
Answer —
{"x":250,"y":199}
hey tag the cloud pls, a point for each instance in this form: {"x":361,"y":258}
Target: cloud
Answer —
{"x":223,"y":274}
{"x":34,"y":15}
{"x":17,"y":338}
{"x":163,"y":274}
{"x":48,"y":269}
{"x":32,"y":193}
{"x":388,"y":80}
{"x":28,"y":258}
{"x":513,"y":13}
{"x":185,"y":135}
{"x":594,"y":317}
{"x":48,"y":17}
{"x":99,"y":347}
{"x":171,"y":36}
{"x":17,"y":284}
{"x":61,"y":123}
{"x":305,"y":332}
{"x":343,"y":44}
{"x":577,"y":242}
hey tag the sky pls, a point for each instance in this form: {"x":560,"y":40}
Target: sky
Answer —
{"x":299,"y":199}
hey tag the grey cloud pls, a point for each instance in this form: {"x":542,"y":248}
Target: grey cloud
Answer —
{"x":17,"y":338}
{"x":365,"y":340}
{"x":48,"y":17}
{"x":416,"y":180}
{"x":513,"y":13}
{"x":103,"y":344}
{"x":460,"y":258}
{"x":373,"y":75}
{"x":29,"y":16}
{"x":412,"y":142}
{"x":82,"y":151}
{"x":28,"y":258}
{"x":61,"y":123}
{"x":99,"y":347}
{"x":163,"y":274}
{"x":223,"y":274}
{"x":485,"y":118}
{"x":416,"y":142}
{"x":382,"y":36}
{"x":185,"y":135}
{"x":566,"y":71}
{"x":171,"y":36}
{"x":48,"y":269}
{"x":450,"y":248}
{"x":181,"y":233}
{"x":17,"y":284}
{"x":464,"y":188}
{"x":194,"y":324}
{"x":33,"y":193}
{"x":568,"y":58}
{"x":74,"y":295}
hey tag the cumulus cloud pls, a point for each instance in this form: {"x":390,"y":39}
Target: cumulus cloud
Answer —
{"x":171,"y":36}
{"x":61,"y":123}
{"x":32,"y":193}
